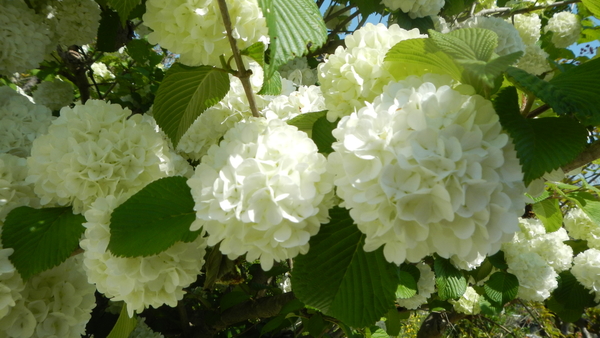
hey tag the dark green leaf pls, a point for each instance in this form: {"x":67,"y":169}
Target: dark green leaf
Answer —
{"x":315,"y":325}
{"x":502,"y":287}
{"x":548,"y":211}
{"x":450,"y":282}
{"x":153,"y":219}
{"x":107,"y":32}
{"x":139,"y":50}
{"x":409,"y":276}
{"x":406,"y":22}
{"x":233,"y":298}
{"x":271,"y":85}
{"x":321,"y":134}
{"x":578,"y":246}
{"x":217,"y":265}
{"x":337,"y":277}
{"x":570,"y":298}
{"x":41,"y":238}
{"x":539,"y":150}
{"x":497,"y":260}
{"x":393,"y":323}
{"x":123,"y":7}
{"x":273,"y":324}
{"x":185,"y":93}
{"x":306,"y":121}
{"x":368,"y":7}
{"x":482,"y":271}
{"x":124,"y":325}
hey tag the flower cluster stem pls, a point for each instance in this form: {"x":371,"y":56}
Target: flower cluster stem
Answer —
{"x":242,"y":73}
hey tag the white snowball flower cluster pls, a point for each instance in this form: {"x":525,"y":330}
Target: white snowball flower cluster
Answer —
{"x":468,"y":303}
{"x":139,"y":281}
{"x":55,"y":303}
{"x":529,"y":27}
{"x":298,"y":71}
{"x":425,"y":287}
{"x":260,"y":191}
{"x":509,"y":40}
{"x":14,"y":192}
{"x":74,"y":22}
{"x":565,"y":28}
{"x":11,"y":284}
{"x":534,"y":61}
{"x":101,"y":72}
{"x":54,"y":94}
{"x":355,"y":74}
{"x":195,"y":30}
{"x":586,"y":269}
{"x":536,"y":258}
{"x":96,"y":150}
{"x":426,"y":169}
{"x":142,"y":330}
{"x":21,"y":122}
{"x":24,"y":37}
{"x":415,"y":8}
{"x":580,"y":226}
{"x":304,"y":100}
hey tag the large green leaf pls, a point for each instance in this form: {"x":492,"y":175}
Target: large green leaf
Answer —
{"x":306,"y":121}
{"x":574,"y":92}
{"x":123,"y":7}
{"x":548,"y":211}
{"x":342,"y":280}
{"x":153,"y":219}
{"x":409,"y":276}
{"x":450,"y":282}
{"x":321,"y":134}
{"x":570,"y":298}
{"x":41,"y":238}
{"x":293,"y":25}
{"x":185,"y":93}
{"x":467,"y":43}
{"x":502,"y":287}
{"x":542,"y":144}
{"x":418,"y":57}
{"x":482,"y":75}
{"x":593,"y":6}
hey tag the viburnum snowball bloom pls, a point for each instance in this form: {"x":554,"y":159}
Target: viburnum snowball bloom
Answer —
{"x":194,"y":29}
{"x":142,"y":330}
{"x":468,"y":303}
{"x":529,"y":27}
{"x":415,"y":8}
{"x":11,"y":283}
{"x":355,"y":74}
{"x":534,"y":61}
{"x":21,"y":121}
{"x":260,"y":191}
{"x":139,"y":281}
{"x":74,"y":22}
{"x":96,"y":150}
{"x":580,"y":226}
{"x":24,"y":37}
{"x":54,"y":94}
{"x":298,"y":71}
{"x":426,"y":169}
{"x":586,"y":269}
{"x":565,"y":27}
{"x":101,"y":72}
{"x":305,"y":100}
{"x":14,"y":191}
{"x":509,"y":40}
{"x":425,"y":287}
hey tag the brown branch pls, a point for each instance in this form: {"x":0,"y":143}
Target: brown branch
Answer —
{"x":591,"y":153}
{"x":242,"y":73}
{"x":254,"y":309}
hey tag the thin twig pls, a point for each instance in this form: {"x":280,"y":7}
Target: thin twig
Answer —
{"x":505,"y":11}
{"x":498,"y":325}
{"x":532,"y":315}
{"x":537,"y":111}
{"x":242,"y":73}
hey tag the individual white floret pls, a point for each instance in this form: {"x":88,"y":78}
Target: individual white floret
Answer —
{"x":304,"y":100}
{"x":425,"y":287}
{"x":586,"y":269}
{"x":21,"y":122}
{"x":11,"y":283}
{"x":195,"y":30}
{"x":139,"y":281}
{"x":54,"y":94}
{"x":529,"y":27}
{"x":509,"y":40}
{"x":298,"y":71}
{"x":426,"y":169}
{"x":355,"y":74}
{"x":580,"y":226}
{"x":468,"y":303}
{"x":24,"y":37}
{"x":534,"y":61}
{"x":415,"y":8}
{"x":260,"y":191}
{"x":74,"y":22}
{"x":97,"y":150}
{"x":14,"y":191}
{"x":565,"y":28}
{"x":440,"y":24}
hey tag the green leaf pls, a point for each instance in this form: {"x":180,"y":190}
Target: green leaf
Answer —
{"x":588,"y":203}
{"x":497,"y":260}
{"x":449,"y":280}
{"x":256,"y":51}
{"x":578,"y":245}
{"x":467,"y":43}
{"x":548,"y":211}
{"x":217,"y":265}
{"x":293,"y":25}
{"x":124,"y":325}
{"x":409,"y":276}
{"x":272,"y":324}
{"x":406,"y":22}
{"x":502,"y":287}
{"x":539,"y":149}
{"x":153,"y":219}
{"x":482,"y":75}
{"x":593,"y":6}
{"x":570,"y":298}
{"x":315,"y":325}
{"x":139,"y":50}
{"x":123,"y":7}
{"x":368,"y":7}
{"x":342,"y":280}
{"x":321,"y":134}
{"x":185,"y":93}
{"x":418,"y":57}
{"x":305,"y":122}
{"x":393,"y":323}
{"x":271,"y":85}
{"x":482,"y":271}
{"x":41,"y":238}
{"x":107,"y":31}
{"x":233,"y":298}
